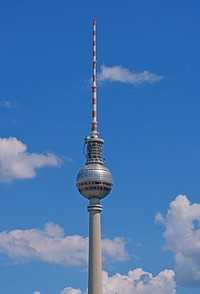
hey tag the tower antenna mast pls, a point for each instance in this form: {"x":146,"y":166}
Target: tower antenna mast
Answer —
{"x":94,"y":83}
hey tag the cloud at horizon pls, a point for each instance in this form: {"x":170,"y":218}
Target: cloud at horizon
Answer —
{"x":17,"y":163}
{"x":124,"y":75}
{"x":182,"y":236}
{"x":136,"y":281}
{"x":50,"y":244}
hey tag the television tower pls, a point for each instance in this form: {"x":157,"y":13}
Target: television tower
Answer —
{"x":94,"y":182}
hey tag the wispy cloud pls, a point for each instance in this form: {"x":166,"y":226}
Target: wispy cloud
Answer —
{"x":182,"y":235}
{"x":6,"y":104}
{"x":17,"y":163}
{"x":52,"y":245}
{"x":124,"y":75}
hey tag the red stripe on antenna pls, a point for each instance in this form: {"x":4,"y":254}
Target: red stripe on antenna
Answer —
{"x":94,"y":90}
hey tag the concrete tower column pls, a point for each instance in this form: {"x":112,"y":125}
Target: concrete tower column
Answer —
{"x":95,"y":260}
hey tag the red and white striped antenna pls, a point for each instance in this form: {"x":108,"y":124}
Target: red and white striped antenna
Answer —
{"x":94,"y":84}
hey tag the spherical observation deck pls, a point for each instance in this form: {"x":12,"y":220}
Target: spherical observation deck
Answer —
{"x":94,"y":180}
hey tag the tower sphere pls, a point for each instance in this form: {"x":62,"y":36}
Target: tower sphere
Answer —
{"x":94,"y":180}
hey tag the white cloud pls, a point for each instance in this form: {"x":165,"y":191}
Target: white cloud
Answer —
{"x":140,"y":282}
{"x":182,"y":235}
{"x":123,"y":75}
{"x":136,"y":281}
{"x":37,"y":292}
{"x":17,"y":163}
{"x":70,"y":290}
{"x":51,"y":245}
{"x":114,"y":249}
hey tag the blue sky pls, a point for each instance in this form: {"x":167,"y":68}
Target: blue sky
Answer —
{"x":148,"y":113}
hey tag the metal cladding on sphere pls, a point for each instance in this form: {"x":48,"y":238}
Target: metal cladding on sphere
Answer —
{"x":94,"y":181}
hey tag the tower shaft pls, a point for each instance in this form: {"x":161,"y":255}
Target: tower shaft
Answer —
{"x":95,"y":259}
